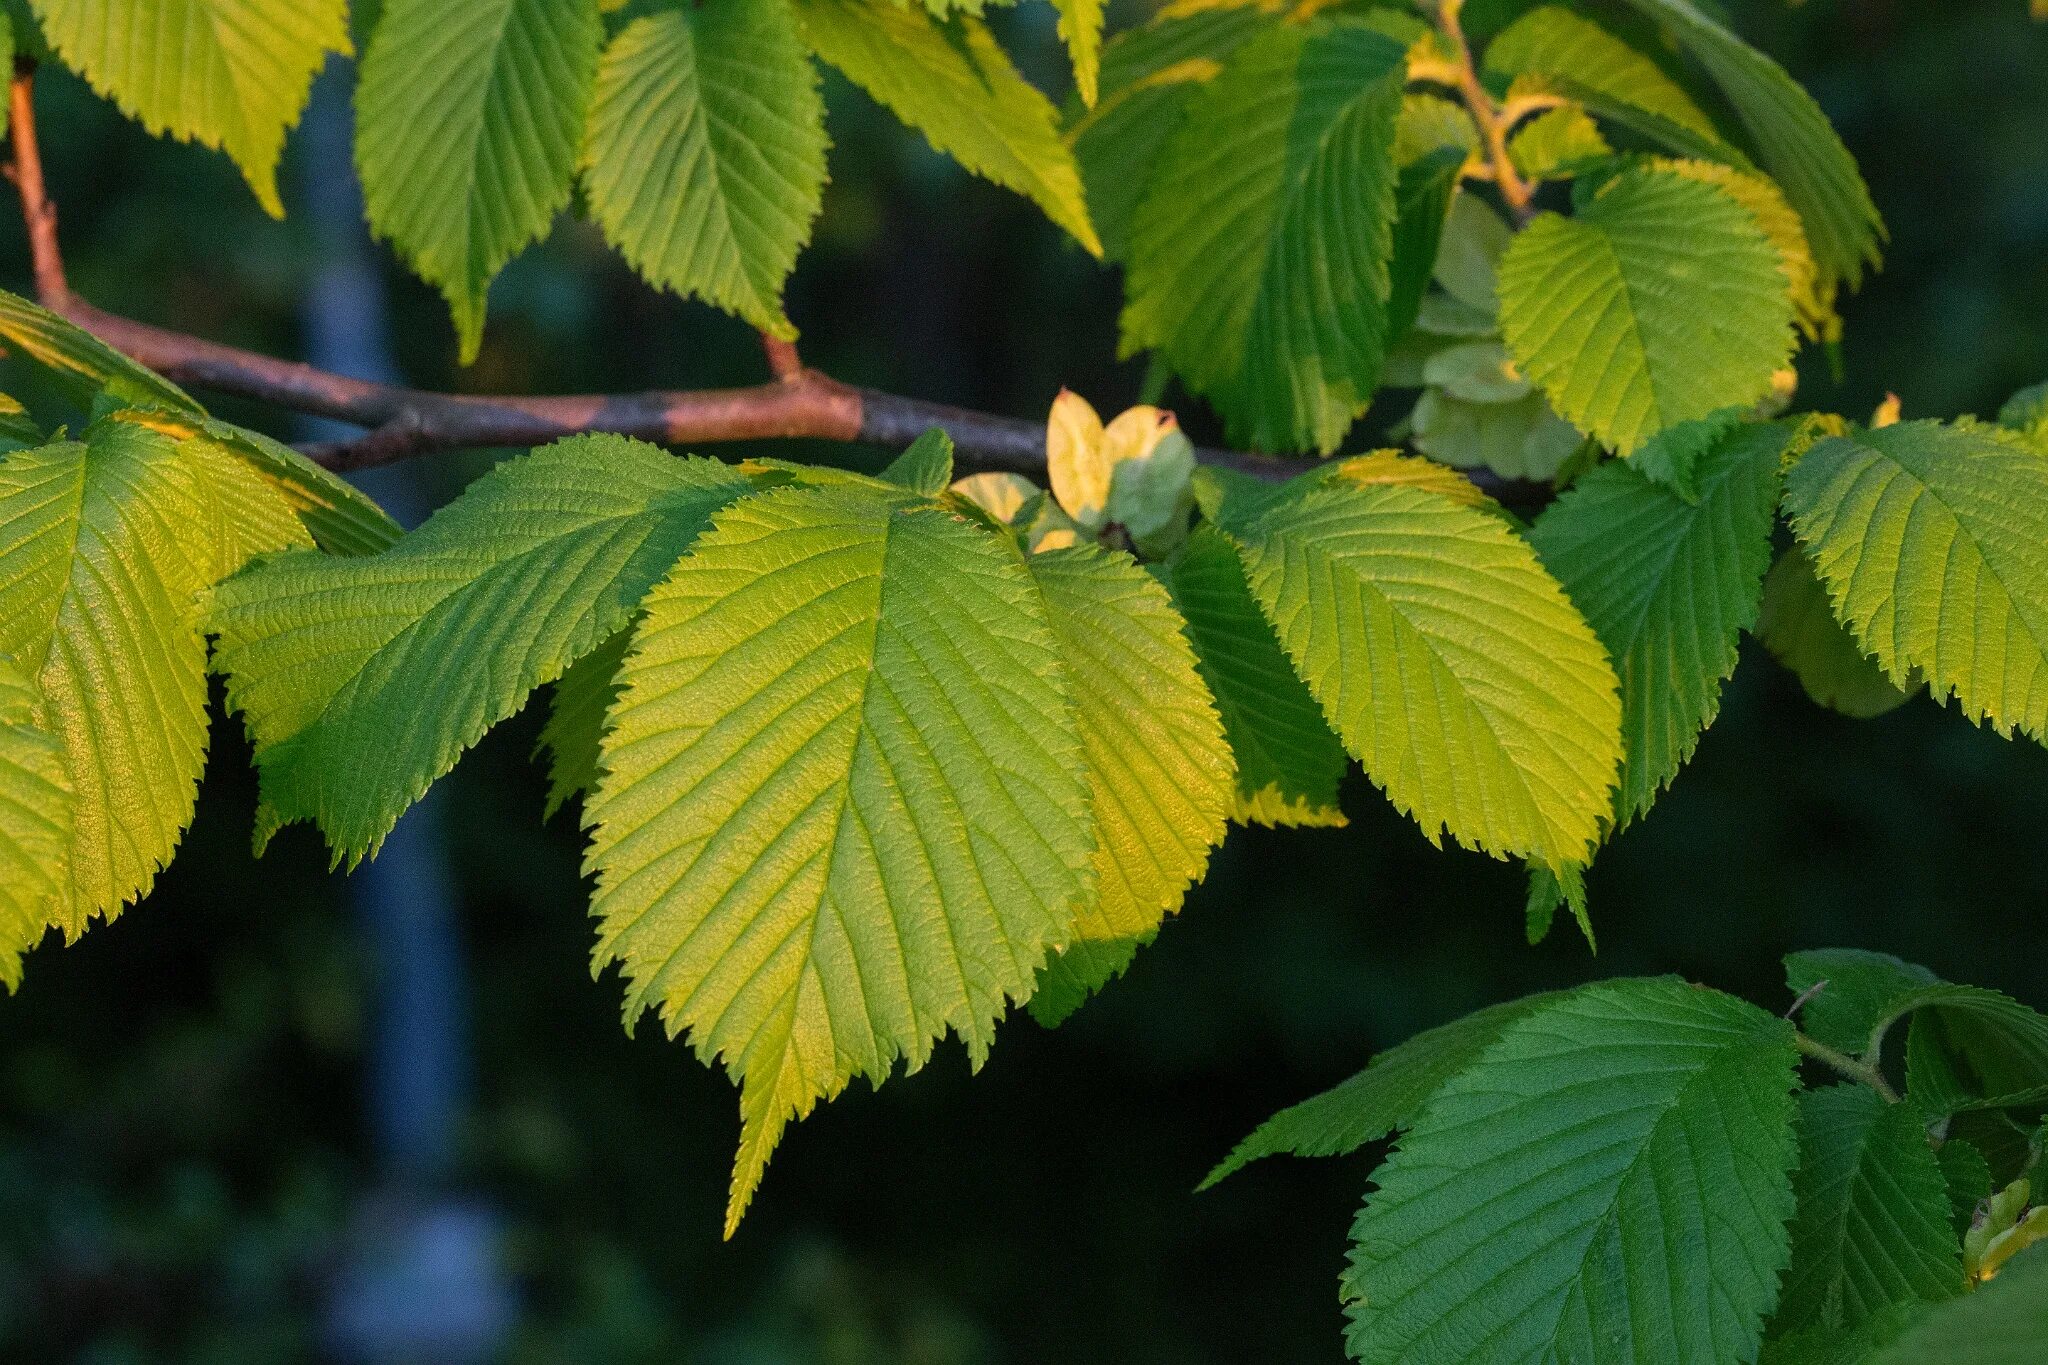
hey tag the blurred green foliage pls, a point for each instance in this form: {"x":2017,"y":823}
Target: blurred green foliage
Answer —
{"x":183,"y":1156}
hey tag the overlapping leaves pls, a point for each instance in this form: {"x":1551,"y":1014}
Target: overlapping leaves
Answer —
{"x":1451,"y":664}
{"x":1613,"y":1169}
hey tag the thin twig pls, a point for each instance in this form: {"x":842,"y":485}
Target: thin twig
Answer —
{"x":1492,"y":122}
{"x":1843,"y":1064}
{"x":38,"y":210}
{"x":1799,"y":1001}
{"x":401,"y":422}
{"x":783,"y":361}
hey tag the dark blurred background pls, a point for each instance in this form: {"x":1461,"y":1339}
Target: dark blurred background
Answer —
{"x":203,"y":1107}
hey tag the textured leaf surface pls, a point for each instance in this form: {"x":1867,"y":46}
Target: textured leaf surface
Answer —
{"x":1668,"y":586}
{"x":1793,"y":138}
{"x":953,"y":83}
{"x":1611,"y":1172}
{"x":1159,"y":771}
{"x":469,"y":114}
{"x":1081,"y":29}
{"x":1453,"y":666}
{"x":1259,"y":257}
{"x":1872,"y":1228}
{"x":1590,"y":64}
{"x":1798,"y":626}
{"x":1660,"y":302}
{"x":844,"y":808}
{"x":1860,"y":988}
{"x":2003,"y":1323}
{"x":1933,"y":544}
{"x":1422,"y":201}
{"x":84,"y":362}
{"x":1813,"y":298}
{"x":98,"y":573}
{"x":1148,"y":76}
{"x":362,"y":680}
{"x":232,"y":74}
{"x":342,"y":519}
{"x":1289,"y":762}
{"x":1387,"y":1095}
{"x":705,"y":162}
{"x":35,"y":818}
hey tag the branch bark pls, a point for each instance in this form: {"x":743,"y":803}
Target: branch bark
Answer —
{"x":401,"y":422}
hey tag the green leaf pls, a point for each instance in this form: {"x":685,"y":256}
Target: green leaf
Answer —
{"x":229,"y":74}
{"x":81,"y":361}
{"x":1968,"y":1177}
{"x":18,"y":430}
{"x":1491,"y":713}
{"x":99,"y":570}
{"x":1873,"y":1226}
{"x":1080,"y":27}
{"x":342,"y":519}
{"x":1289,"y":762}
{"x":2027,"y":413}
{"x":925,"y":466}
{"x":1582,"y":60}
{"x":1672,"y":457}
{"x":574,"y":733}
{"x":1476,"y":372}
{"x":844,"y":808}
{"x":1668,"y":586}
{"x":1433,"y":126}
{"x":2003,"y":1323}
{"x":1159,"y":771}
{"x":1859,"y":988}
{"x":1799,"y":628}
{"x":1661,"y":301}
{"x":1835,"y":1346}
{"x":2000,"y":1044}
{"x":1553,"y":890}
{"x":1933,"y":544}
{"x":705,"y":160}
{"x":1813,"y":297}
{"x":1611,"y":1173}
{"x":1468,"y":263}
{"x":1793,"y":141}
{"x":1994,"y":1050}
{"x":952,"y":82}
{"x":1422,"y":200}
{"x":35,"y":818}
{"x":1148,"y":76}
{"x":1385,"y":1096}
{"x":1557,"y":143}
{"x":362,"y":680}
{"x":1517,"y":439}
{"x":469,"y":115}
{"x":6,"y":64}
{"x":1259,"y":257}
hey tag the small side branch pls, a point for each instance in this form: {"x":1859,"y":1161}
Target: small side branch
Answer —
{"x":1844,"y":1065}
{"x":1489,"y":117}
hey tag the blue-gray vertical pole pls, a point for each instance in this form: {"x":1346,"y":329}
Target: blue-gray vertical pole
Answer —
{"x":421,"y":1281}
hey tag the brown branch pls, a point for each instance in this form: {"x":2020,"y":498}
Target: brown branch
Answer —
{"x":783,"y":361}
{"x":38,"y":210}
{"x":1493,"y":123}
{"x":403,"y":422}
